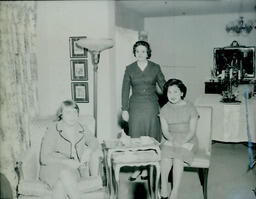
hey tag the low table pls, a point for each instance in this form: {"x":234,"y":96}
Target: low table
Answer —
{"x":134,"y":153}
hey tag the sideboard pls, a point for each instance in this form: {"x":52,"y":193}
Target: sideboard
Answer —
{"x":229,"y":119}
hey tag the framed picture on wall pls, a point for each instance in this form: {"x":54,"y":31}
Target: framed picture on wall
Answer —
{"x":80,"y":92}
{"x":79,"y":70}
{"x":75,"y":51}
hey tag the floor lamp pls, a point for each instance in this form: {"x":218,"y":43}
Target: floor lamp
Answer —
{"x":95,"y":47}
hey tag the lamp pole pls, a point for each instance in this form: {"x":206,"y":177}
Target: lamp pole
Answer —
{"x":95,"y":61}
{"x":95,"y":46}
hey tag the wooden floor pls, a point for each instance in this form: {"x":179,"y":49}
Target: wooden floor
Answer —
{"x":228,"y":177}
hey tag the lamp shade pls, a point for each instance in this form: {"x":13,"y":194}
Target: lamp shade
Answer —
{"x":95,"y":45}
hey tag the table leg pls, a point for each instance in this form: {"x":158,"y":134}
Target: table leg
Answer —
{"x":109,"y":162}
{"x":150,"y":181}
{"x":107,"y":172}
{"x":116,"y":171}
{"x":157,"y":179}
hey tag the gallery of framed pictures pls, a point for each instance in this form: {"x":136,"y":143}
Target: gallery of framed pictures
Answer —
{"x":79,"y":70}
{"x":75,"y":51}
{"x":80,"y":92}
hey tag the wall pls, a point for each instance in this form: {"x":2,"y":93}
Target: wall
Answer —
{"x":125,"y":38}
{"x":183,"y":45}
{"x":128,"y":19}
{"x":128,"y":25}
{"x":56,"y":22}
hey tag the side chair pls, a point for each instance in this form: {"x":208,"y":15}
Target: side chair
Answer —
{"x":201,"y":162}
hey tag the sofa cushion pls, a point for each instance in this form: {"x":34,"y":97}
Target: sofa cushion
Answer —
{"x":90,"y":183}
{"x":33,"y":188}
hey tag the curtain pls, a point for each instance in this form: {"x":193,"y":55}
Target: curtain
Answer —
{"x":18,"y":81}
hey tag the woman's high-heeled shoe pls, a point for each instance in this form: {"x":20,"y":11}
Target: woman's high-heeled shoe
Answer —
{"x":144,"y":175}
{"x":131,"y":178}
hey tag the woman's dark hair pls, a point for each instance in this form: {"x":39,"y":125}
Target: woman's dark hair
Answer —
{"x":142,"y":43}
{"x":66,"y":103}
{"x":178,"y":83}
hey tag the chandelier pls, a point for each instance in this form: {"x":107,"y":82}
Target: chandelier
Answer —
{"x":240,"y":26}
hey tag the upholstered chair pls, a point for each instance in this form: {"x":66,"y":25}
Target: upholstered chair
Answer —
{"x":202,"y":158}
{"x":28,"y":166}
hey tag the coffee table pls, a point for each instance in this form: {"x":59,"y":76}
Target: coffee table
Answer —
{"x":136,"y":152}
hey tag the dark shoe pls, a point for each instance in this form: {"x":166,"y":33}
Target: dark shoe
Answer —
{"x":132,"y":178}
{"x":144,"y":177}
{"x":164,"y":197}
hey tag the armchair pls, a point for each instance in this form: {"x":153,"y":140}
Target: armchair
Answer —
{"x":27,"y":168}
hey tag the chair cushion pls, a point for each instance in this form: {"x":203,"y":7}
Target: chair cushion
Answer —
{"x":34,"y":197}
{"x":33,"y":188}
{"x":99,"y":194}
{"x":90,"y":183}
{"x":201,"y":160}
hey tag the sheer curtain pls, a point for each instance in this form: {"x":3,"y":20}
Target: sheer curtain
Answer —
{"x":18,"y":81}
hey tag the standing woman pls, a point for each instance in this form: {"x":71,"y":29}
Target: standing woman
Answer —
{"x":141,"y":109}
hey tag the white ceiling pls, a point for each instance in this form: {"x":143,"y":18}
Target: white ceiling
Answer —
{"x":158,"y":8}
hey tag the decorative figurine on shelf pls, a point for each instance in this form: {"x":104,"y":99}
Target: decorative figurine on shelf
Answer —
{"x":230,"y":78}
{"x":233,"y":65}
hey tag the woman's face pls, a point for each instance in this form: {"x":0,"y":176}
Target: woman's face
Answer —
{"x":141,"y":53}
{"x":174,"y":94}
{"x":69,"y":115}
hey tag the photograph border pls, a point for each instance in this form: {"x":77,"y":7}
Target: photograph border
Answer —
{"x":73,"y":65}
{"x":72,"y":47}
{"x":85,"y":99}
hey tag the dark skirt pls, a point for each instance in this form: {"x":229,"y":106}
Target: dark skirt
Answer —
{"x":144,"y":119}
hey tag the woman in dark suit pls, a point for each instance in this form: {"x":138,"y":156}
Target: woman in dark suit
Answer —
{"x":141,"y":109}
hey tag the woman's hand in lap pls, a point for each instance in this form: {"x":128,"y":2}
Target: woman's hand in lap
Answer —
{"x":179,"y":140}
{"x":74,"y":164}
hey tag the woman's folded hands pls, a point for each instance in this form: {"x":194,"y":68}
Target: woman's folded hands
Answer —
{"x":74,"y":164}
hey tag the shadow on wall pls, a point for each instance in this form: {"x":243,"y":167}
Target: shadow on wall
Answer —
{"x":5,"y":188}
{"x":140,"y":191}
{"x":122,"y":124}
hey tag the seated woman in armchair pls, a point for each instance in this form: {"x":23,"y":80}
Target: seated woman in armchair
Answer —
{"x":65,"y":148}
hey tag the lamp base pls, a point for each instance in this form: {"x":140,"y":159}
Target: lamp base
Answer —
{"x":95,"y":58}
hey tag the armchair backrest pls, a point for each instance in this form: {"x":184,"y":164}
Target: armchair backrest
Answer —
{"x":204,"y":128}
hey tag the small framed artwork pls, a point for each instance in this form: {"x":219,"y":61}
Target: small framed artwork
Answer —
{"x":80,"y":92}
{"x":75,"y":51}
{"x":79,"y":70}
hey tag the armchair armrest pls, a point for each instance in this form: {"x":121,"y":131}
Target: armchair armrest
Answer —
{"x":29,"y":187}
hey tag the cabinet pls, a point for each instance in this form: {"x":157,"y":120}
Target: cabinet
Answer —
{"x":212,"y":88}
{"x":229,"y":119}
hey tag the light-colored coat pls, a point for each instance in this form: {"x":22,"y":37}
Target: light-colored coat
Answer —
{"x":56,"y":147}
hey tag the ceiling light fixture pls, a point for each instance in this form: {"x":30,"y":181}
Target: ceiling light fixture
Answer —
{"x":240,"y":26}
